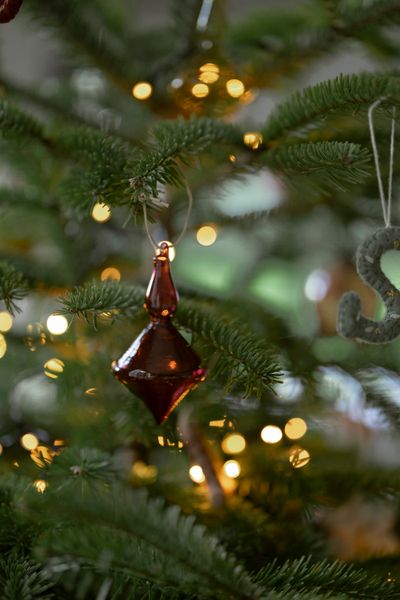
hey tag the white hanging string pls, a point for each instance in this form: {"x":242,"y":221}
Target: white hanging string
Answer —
{"x":386,"y":202}
{"x":185,"y":224}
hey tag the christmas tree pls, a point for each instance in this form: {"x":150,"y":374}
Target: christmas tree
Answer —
{"x":243,"y":141}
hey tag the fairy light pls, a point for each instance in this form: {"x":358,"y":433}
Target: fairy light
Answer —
{"x":40,"y":485}
{"x":142,"y":90}
{"x":29,"y":441}
{"x":200,"y":90}
{"x":110,"y":273}
{"x":235,"y":88}
{"x":253,"y":139}
{"x":299,"y":457}
{"x":57,"y":324}
{"x":196,"y":474}
{"x":295,"y":428}
{"x":217,"y":423}
{"x":6,"y":321}
{"x":3,"y":345}
{"x":232,"y":468}
{"x":209,"y":73}
{"x":271,"y":434}
{"x":53,"y":368}
{"x":206,"y":235}
{"x":232,"y":158}
{"x":42,"y":456}
{"x":233,"y":443}
{"x":91,"y":391}
{"x":171,"y":250}
{"x":59,"y":443}
{"x":145,"y":472}
{"x":101,"y":212}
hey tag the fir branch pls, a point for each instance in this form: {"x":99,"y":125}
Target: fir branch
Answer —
{"x":12,"y":287}
{"x":346,"y":93}
{"x":22,"y":579}
{"x":337,"y":164}
{"x":245,"y":359}
{"x":174,"y":143}
{"x":16,"y":124}
{"x":325,"y":577}
{"x":126,"y":526}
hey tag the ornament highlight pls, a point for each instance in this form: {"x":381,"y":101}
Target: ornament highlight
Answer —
{"x":160,"y":367}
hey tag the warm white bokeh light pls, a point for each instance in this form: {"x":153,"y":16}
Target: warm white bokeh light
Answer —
{"x":196,"y":474}
{"x":57,"y":324}
{"x":235,"y":88}
{"x":206,"y":235}
{"x":232,"y":468}
{"x":233,"y":443}
{"x":29,"y":441}
{"x":295,"y":428}
{"x":200,"y":90}
{"x":101,"y":212}
{"x":271,"y":434}
{"x":6,"y":321}
{"x":142,"y":90}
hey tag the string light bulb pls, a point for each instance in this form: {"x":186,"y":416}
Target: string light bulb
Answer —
{"x":40,"y":485}
{"x":101,"y":212}
{"x":142,"y":90}
{"x":253,"y":139}
{"x":233,"y":443}
{"x":232,"y":468}
{"x":235,"y":88}
{"x":6,"y":321}
{"x":206,"y":235}
{"x":57,"y":324}
{"x":271,"y":434}
{"x":196,"y":474}
{"x":200,"y":90}
{"x":295,"y":428}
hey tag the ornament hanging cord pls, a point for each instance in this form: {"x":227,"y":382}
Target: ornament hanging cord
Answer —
{"x":185,"y":224}
{"x":386,"y":202}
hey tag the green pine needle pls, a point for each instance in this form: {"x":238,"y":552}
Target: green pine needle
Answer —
{"x":12,"y":287}
{"x":337,"y":164}
{"x":346,"y":93}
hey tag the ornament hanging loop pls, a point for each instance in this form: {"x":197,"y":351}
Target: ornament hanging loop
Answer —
{"x":386,"y":201}
{"x":156,"y":245}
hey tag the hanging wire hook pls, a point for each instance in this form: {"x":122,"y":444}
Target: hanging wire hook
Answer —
{"x":185,"y":224}
{"x":385,"y":202}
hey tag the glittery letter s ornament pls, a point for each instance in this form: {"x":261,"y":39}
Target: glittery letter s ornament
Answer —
{"x":350,"y":322}
{"x":9,"y":9}
{"x":160,"y":366}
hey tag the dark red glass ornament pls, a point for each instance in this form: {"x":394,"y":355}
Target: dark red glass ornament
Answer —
{"x":9,"y":9}
{"x":160,"y":366}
